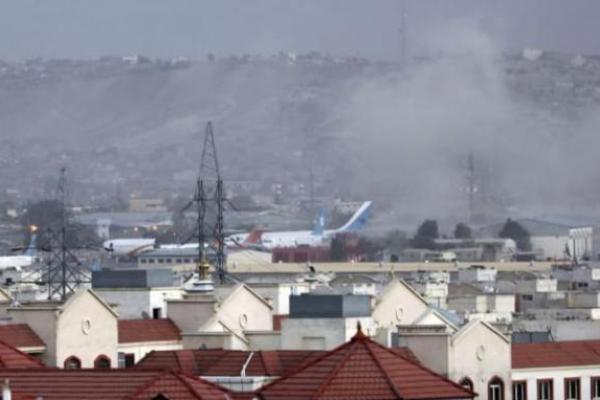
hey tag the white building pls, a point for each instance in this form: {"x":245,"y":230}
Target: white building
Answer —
{"x":477,"y":274}
{"x":556,"y":371}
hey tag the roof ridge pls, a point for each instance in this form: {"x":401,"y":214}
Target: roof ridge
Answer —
{"x":189,"y":386}
{"x":334,"y":371}
{"x":383,"y":370}
{"x":22,"y":353}
{"x":150,"y":382}
{"x":301,"y":366}
{"x":422,"y":367}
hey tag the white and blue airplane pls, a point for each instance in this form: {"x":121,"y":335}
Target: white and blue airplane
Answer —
{"x":317,"y":236}
{"x":26,"y":259}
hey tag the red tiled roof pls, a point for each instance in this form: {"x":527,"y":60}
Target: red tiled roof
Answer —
{"x":57,"y":384}
{"x":20,"y":336}
{"x":362,"y":369}
{"x":218,"y":362}
{"x":13,"y":358}
{"x":148,"y":330}
{"x":556,"y":354}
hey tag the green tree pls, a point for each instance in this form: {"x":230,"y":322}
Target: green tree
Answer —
{"x":426,"y":234}
{"x":462,"y":231}
{"x":515,"y":231}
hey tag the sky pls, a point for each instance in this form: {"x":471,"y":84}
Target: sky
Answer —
{"x":365,"y":28}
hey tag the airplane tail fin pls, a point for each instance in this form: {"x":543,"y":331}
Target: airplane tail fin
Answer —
{"x":31,"y":250}
{"x":254,"y":236}
{"x":359,"y":219}
{"x":319,"y":224}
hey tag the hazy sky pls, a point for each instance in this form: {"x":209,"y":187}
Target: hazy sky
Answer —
{"x":193,"y":28}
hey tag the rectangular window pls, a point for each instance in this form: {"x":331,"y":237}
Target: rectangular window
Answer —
{"x":572,"y":389}
{"x":545,"y":389}
{"x":160,"y":261}
{"x":143,"y":260}
{"x":495,"y":392}
{"x":595,"y":388}
{"x":519,"y":390}
{"x":126,"y":360}
{"x":156,"y":313}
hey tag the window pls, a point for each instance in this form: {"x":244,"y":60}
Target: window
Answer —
{"x":72,"y":363}
{"x":156,"y":313}
{"x":178,"y":260}
{"x":466,"y":383}
{"x":151,"y":261}
{"x":160,"y":261}
{"x":168,"y":260}
{"x":572,"y":389}
{"x":102,"y":362}
{"x":126,"y":360}
{"x":496,"y":389}
{"x":519,"y":390}
{"x":545,"y":389}
{"x":595,"y":388}
{"x":527,"y":297}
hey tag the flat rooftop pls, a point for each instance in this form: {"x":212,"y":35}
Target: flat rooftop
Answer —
{"x":255,"y":266}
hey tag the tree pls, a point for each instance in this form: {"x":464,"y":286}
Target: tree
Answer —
{"x":462,"y":231}
{"x":515,"y":231}
{"x":426,"y":235}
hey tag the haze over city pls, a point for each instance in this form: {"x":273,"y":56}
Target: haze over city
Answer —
{"x":300,"y":199}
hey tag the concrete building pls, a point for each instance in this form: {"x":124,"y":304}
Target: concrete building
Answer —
{"x":495,"y":308}
{"x":278,"y":294}
{"x":224,"y":320}
{"x":477,"y":274}
{"x":556,"y":371}
{"x":137,"y":293}
{"x":78,"y":333}
{"x":322,"y":322}
{"x":477,"y":355}
{"x":138,"y":337}
{"x":398,"y":304}
{"x":549,"y":239}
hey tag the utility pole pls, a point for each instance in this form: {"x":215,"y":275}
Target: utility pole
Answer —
{"x":210,"y":176}
{"x":471,"y":186}
{"x":64,"y":272}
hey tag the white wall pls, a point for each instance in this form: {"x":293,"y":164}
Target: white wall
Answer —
{"x":321,"y":333}
{"x":141,"y":349}
{"x":467,"y":359}
{"x":558,"y":375}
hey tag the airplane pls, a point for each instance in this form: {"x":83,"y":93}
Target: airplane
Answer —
{"x":122,"y":247}
{"x":318,"y":236}
{"x":23,"y":260}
